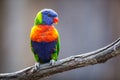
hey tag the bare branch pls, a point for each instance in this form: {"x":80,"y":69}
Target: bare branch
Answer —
{"x":77,"y":61}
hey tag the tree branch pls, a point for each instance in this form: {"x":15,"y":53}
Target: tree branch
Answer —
{"x":77,"y":61}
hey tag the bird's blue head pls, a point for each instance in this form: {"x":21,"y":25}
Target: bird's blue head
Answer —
{"x":46,"y":17}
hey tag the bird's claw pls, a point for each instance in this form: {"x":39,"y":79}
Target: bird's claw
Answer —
{"x":52,"y":62}
{"x":37,"y":66}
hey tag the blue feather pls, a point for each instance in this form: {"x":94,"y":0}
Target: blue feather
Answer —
{"x":44,"y":50}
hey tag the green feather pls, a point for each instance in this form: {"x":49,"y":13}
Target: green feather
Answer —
{"x":35,"y":55}
{"x":54,"y":56}
{"x":38,"y":19}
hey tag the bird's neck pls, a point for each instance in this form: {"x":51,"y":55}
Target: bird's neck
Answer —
{"x":44,"y":25}
{"x":45,"y":28}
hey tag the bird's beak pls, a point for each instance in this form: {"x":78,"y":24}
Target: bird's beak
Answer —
{"x":55,"y":20}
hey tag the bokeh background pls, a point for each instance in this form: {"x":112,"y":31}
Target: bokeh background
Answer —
{"x":85,"y":25}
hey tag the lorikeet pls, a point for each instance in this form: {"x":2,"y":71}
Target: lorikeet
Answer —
{"x":45,"y":41}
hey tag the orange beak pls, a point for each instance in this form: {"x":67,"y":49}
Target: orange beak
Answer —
{"x":55,"y":20}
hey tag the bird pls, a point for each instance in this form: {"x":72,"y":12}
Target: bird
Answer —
{"x":44,"y":37}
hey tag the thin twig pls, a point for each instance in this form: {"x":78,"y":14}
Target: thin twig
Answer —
{"x":77,"y":61}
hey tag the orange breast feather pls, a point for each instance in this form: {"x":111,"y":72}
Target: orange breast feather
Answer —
{"x":44,"y":33}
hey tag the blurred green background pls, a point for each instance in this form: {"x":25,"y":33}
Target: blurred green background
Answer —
{"x":85,"y":25}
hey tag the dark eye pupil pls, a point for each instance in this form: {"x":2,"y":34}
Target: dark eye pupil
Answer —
{"x":49,"y":15}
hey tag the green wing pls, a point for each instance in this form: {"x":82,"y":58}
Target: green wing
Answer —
{"x":57,"y":49}
{"x":35,"y":55}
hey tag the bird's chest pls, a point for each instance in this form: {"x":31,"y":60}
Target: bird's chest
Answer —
{"x":43,"y":34}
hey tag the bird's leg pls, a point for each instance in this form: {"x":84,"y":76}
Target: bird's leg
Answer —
{"x":52,"y":62}
{"x":37,"y":65}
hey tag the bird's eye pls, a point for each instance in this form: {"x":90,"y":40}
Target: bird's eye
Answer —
{"x":49,"y":15}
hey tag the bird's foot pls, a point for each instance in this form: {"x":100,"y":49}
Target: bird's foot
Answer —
{"x":37,"y":66}
{"x":52,"y":62}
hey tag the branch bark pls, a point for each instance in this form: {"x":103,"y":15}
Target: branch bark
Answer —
{"x":77,"y":61}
